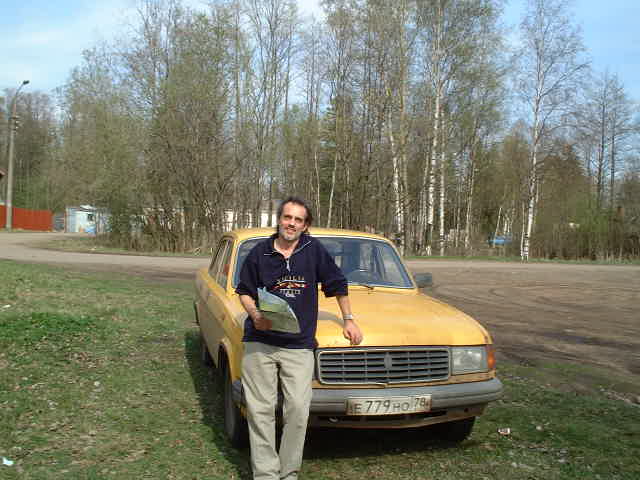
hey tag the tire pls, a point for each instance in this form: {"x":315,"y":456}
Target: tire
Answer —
{"x":205,"y":356}
{"x":235,"y":425}
{"x":455,"y":431}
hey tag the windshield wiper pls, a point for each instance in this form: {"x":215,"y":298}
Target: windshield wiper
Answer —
{"x":370,"y":287}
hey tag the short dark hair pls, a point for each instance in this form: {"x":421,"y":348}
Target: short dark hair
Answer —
{"x":297,"y":201}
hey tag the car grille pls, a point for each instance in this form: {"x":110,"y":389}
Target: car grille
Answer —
{"x":402,"y":365}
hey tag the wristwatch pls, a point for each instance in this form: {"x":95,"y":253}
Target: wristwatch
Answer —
{"x":348,"y":316}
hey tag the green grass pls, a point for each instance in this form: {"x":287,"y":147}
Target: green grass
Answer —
{"x":100,"y":379}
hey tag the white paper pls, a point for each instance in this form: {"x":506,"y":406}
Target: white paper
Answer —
{"x":276,"y":309}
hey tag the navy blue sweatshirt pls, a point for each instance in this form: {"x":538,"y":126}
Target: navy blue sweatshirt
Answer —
{"x":295,"y":280}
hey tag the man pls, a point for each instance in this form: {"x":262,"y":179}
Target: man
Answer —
{"x":289,"y":264}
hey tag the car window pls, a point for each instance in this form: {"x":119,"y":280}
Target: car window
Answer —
{"x":214,"y":268}
{"x":365,"y":257}
{"x":393,"y":270}
{"x":335,"y":249}
{"x":367,"y":261}
{"x":223,"y":273}
{"x":243,"y":250}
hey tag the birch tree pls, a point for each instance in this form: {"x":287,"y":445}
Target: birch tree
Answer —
{"x":453,"y":29}
{"x":311,"y":66}
{"x":605,"y":129}
{"x":550,"y":63}
{"x":402,"y":32}
{"x":624,"y":126}
{"x":271,"y":25}
{"x":340,"y":51}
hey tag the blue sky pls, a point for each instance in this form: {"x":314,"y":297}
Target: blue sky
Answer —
{"x":43,"y":40}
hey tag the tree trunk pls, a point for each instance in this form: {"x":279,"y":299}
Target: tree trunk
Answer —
{"x":333,"y":187}
{"x":398,"y":212}
{"x":468,"y":217}
{"x":432,"y":175}
{"x":441,"y":212}
{"x":533,"y":191}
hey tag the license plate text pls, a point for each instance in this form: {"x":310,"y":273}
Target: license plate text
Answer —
{"x":389,"y":405}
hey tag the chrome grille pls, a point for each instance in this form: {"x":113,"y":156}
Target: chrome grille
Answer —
{"x":384,"y":365}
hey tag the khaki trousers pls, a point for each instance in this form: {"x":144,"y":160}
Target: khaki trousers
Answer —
{"x":262,"y":365}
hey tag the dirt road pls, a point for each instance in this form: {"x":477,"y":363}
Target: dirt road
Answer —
{"x":535,"y":312}
{"x":24,"y":247}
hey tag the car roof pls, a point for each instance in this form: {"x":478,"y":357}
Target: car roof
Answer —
{"x":245,"y":233}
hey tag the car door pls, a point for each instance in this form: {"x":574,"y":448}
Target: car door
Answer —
{"x":211,"y":292}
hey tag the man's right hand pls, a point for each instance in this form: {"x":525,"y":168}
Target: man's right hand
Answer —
{"x":260,"y":322}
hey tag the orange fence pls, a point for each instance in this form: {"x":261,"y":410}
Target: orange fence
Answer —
{"x":25,"y":219}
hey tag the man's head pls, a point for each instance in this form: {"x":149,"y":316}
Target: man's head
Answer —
{"x":294,"y":217}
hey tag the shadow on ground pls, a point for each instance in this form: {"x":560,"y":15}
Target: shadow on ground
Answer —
{"x":350,"y":443}
{"x":322,"y":443}
{"x":209,"y":392}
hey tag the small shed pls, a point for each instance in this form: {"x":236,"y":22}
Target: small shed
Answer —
{"x":85,"y":219}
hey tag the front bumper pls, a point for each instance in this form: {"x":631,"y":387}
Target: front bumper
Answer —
{"x":442,"y":396}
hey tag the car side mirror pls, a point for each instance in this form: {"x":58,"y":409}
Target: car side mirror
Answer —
{"x":423,"y":280}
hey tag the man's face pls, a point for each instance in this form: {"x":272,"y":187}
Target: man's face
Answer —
{"x":293,"y":221}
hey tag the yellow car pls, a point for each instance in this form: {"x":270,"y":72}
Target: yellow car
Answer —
{"x":422,"y":362}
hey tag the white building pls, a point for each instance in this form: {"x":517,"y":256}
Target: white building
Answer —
{"x":264,"y":219}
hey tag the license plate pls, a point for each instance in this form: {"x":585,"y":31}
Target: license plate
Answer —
{"x":388,"y":405}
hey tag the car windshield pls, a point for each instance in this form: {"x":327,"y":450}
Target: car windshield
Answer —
{"x":364,"y":261}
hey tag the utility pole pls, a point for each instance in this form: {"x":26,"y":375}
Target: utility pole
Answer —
{"x":13,"y":126}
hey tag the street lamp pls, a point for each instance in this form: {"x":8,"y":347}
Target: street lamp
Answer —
{"x":13,"y":126}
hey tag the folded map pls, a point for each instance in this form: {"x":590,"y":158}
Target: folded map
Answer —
{"x":276,"y":309}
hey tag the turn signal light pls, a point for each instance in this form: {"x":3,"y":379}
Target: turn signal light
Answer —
{"x":491,"y":357}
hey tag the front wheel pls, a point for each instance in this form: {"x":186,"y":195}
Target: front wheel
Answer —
{"x":235,"y":425}
{"x":455,"y":431}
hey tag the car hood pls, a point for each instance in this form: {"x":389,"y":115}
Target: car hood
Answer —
{"x":398,"y":318}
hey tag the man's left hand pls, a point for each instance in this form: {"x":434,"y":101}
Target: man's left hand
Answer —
{"x":352,"y":332}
